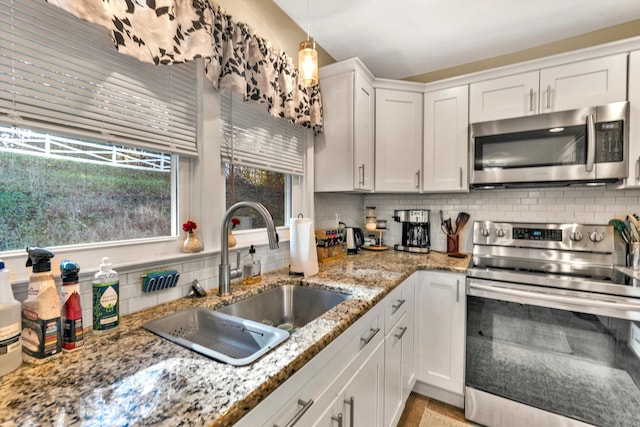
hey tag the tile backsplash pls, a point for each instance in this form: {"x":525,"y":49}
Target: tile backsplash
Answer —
{"x":595,"y":205}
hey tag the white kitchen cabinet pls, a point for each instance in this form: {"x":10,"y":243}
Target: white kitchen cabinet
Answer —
{"x":398,"y":140}
{"x":585,"y":83}
{"x":400,"y":356}
{"x":633,"y":180}
{"x":440,"y":320}
{"x":504,"y":97}
{"x":344,"y":151}
{"x":446,"y":136}
{"x":359,"y":402}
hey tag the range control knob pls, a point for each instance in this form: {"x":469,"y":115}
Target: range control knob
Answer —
{"x":576,"y":236}
{"x":500,"y":232}
{"x":596,"y":236}
{"x":485,"y":232}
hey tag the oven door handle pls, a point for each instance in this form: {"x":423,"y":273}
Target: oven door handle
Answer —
{"x":592,"y":305}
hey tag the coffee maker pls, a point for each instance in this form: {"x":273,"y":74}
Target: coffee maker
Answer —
{"x":416,"y":230}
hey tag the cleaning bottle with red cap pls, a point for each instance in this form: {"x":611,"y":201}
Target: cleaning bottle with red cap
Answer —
{"x":72,"y":332}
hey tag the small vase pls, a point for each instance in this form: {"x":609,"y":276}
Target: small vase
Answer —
{"x":192,"y":244}
{"x":231,"y":238}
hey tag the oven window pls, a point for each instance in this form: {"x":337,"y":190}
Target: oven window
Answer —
{"x":549,"y":147}
{"x":578,"y":365}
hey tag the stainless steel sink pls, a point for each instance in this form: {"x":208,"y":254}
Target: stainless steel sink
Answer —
{"x":287,"y":307}
{"x":218,"y":335}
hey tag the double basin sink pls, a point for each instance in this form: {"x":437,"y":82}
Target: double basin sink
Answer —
{"x":242,"y":332}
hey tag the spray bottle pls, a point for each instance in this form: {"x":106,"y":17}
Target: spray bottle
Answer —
{"x":41,"y":331}
{"x":106,"y":299}
{"x":72,"y":333}
{"x":10,"y":341}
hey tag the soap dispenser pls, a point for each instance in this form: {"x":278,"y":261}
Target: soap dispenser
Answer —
{"x":251,"y":268}
{"x":10,"y":326}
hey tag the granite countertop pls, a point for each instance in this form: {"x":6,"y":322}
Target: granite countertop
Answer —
{"x":133,"y":377}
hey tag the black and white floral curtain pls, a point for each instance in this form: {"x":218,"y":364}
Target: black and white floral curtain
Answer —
{"x":175,"y":31}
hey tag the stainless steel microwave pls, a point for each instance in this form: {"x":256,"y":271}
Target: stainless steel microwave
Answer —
{"x":587,"y":145}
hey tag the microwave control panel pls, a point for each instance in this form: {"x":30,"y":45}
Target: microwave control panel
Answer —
{"x":609,"y":142}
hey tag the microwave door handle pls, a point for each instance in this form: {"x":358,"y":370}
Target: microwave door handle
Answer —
{"x":591,"y":143}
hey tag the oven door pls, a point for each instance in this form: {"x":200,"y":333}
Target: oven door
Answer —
{"x":571,"y":358}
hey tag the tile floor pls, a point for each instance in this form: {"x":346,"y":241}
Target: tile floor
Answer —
{"x":416,"y":404}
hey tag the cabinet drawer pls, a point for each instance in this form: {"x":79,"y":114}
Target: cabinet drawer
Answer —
{"x":395,"y":306}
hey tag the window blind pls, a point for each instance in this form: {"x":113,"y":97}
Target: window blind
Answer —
{"x":252,"y":137}
{"x":61,"y":74}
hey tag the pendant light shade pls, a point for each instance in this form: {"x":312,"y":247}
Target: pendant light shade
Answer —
{"x":308,"y":62}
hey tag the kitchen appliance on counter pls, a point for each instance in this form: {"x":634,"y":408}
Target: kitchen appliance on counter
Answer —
{"x":553,"y":327}
{"x":587,"y":145}
{"x":416,"y":230}
{"x":354,"y":237}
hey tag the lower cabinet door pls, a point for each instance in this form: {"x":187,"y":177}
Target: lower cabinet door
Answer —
{"x":364,"y":395}
{"x":393,"y":376}
{"x":360,"y":402}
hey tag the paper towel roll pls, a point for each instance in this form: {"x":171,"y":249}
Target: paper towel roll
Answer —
{"x":302,"y":247}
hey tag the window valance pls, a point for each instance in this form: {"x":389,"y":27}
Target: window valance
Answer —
{"x":235,"y":60}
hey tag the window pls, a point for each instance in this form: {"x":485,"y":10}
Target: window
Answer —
{"x":262,"y":155}
{"x":90,"y":138}
{"x":58,"y":191}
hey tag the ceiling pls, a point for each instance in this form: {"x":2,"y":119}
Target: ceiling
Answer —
{"x":403,"y":38}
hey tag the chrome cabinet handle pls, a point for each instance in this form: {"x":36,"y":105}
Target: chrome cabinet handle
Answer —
{"x":352,"y":405}
{"x":460,"y":177}
{"x":338,"y":419}
{"x":531,"y":100}
{"x":403,"y":329}
{"x":591,"y":143}
{"x":361,"y":170}
{"x":304,"y":408}
{"x":457,"y":290}
{"x":372,"y":333}
{"x":638,"y":169}
{"x":418,"y":179}
{"x":396,"y":307}
{"x":548,"y":97}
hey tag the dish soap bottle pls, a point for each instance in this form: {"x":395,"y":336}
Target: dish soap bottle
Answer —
{"x":72,"y":332}
{"x":251,"y":268}
{"x":10,"y":340}
{"x":41,"y":331}
{"x":106,"y":299}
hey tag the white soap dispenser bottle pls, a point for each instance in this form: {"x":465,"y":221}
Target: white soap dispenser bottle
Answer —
{"x":10,"y":326}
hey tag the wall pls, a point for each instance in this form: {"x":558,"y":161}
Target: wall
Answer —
{"x":567,"y":205}
{"x":203,"y":267}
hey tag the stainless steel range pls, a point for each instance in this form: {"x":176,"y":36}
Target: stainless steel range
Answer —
{"x":553,"y":327}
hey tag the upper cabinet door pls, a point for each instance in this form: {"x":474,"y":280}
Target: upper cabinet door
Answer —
{"x":446,"y":136}
{"x":504,"y":97}
{"x":584,"y":84}
{"x":344,"y":151}
{"x":364,"y":147}
{"x":398,"y":141}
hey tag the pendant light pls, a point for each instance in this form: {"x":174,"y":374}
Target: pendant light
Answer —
{"x":308,"y":58}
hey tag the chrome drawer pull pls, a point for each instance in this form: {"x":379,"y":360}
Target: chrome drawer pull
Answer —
{"x":396,"y":307}
{"x":338,"y":419}
{"x":403,"y":329}
{"x":305,"y":407}
{"x":372,"y":334}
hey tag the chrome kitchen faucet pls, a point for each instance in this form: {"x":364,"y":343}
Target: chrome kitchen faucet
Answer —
{"x":225,"y":274}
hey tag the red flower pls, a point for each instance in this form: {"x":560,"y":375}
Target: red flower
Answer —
{"x":189,"y":226}
{"x":235,"y":222}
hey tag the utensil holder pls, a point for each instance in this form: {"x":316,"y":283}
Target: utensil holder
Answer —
{"x":453,"y":240}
